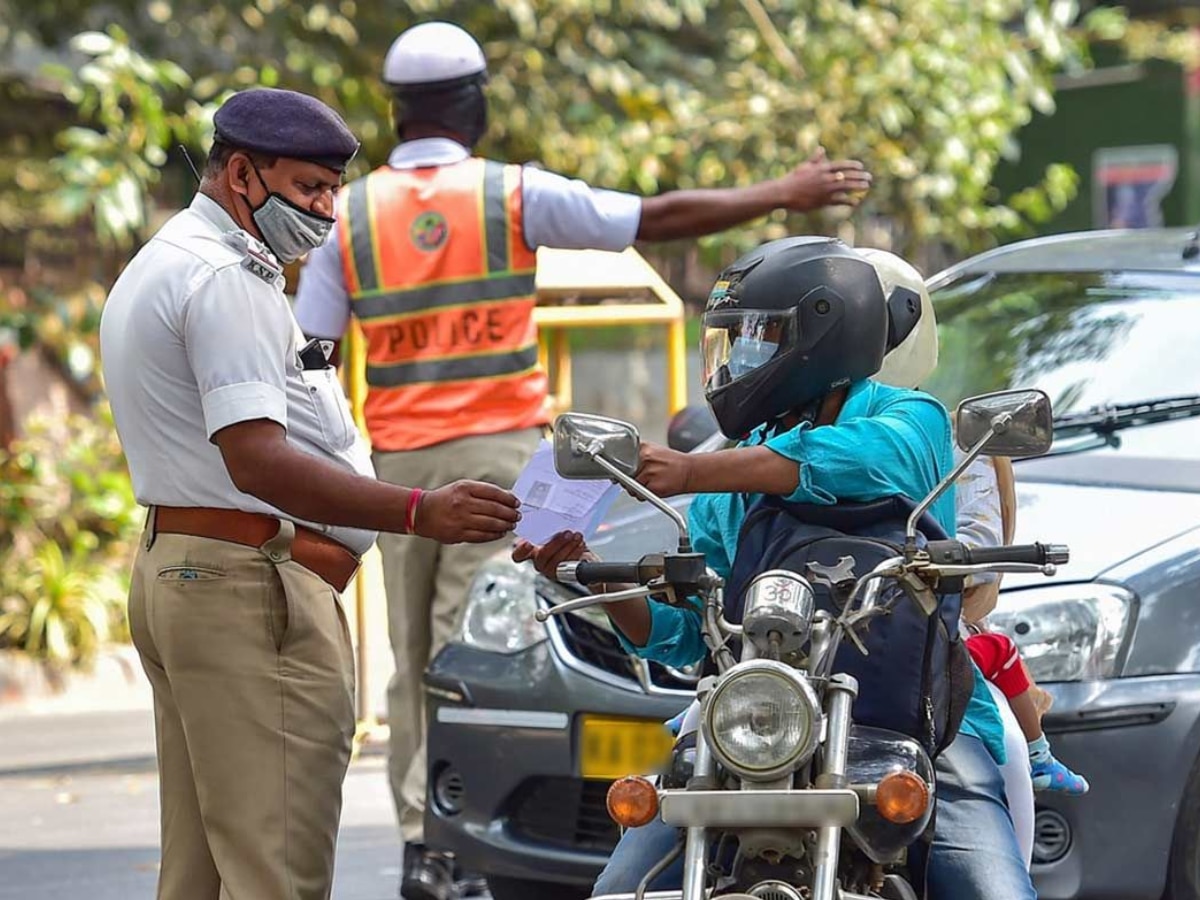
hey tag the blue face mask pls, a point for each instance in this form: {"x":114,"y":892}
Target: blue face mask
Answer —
{"x":747,"y":354}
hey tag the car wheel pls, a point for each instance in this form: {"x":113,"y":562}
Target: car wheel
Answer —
{"x":523,"y":889}
{"x":1183,"y":870}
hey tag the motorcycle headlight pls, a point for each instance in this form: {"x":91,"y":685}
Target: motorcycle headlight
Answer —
{"x":501,"y":603}
{"x":1068,"y":632}
{"x":762,"y":720}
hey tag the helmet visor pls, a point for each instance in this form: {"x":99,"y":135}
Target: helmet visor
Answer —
{"x":738,"y":341}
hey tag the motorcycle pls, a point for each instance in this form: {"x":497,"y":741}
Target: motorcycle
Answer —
{"x":820,"y":808}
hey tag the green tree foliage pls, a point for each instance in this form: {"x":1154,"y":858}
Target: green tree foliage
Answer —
{"x":636,"y":94}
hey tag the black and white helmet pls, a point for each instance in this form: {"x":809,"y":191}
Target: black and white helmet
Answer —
{"x":790,"y":322}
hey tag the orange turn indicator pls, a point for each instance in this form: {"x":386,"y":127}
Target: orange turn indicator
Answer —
{"x":902,"y":797}
{"x":632,"y":802}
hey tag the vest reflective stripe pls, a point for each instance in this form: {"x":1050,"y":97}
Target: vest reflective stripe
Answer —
{"x":355,"y":225}
{"x":453,"y":293}
{"x":442,"y":282}
{"x":495,"y":217}
{"x":462,"y":368}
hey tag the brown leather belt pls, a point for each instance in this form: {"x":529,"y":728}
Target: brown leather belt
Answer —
{"x":334,"y":563}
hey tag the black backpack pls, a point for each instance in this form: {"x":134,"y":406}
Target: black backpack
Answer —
{"x":917,"y":677}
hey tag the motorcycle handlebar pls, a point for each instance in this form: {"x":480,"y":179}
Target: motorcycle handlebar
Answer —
{"x":955,"y":553}
{"x":588,"y":573}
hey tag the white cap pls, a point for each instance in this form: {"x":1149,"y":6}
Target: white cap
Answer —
{"x":913,"y":361}
{"x":433,"y":52}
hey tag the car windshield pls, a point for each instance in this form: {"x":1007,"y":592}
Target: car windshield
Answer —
{"x":1088,"y":339}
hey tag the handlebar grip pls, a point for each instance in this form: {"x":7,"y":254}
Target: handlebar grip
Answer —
{"x":1034,"y":554}
{"x":586,"y":572}
{"x":956,"y":553}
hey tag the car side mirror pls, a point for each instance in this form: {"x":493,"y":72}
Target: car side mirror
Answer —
{"x":580,"y":440}
{"x":1015,"y":424}
{"x":690,"y":427}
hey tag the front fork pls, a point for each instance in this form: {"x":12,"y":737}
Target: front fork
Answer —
{"x":840,"y":696}
{"x":840,"y":693}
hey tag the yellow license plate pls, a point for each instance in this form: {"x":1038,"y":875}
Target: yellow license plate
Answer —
{"x":612,"y":748}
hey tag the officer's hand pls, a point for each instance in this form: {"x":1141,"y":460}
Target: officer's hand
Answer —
{"x":566,"y":546}
{"x":664,"y":471}
{"x":466,"y":512}
{"x":820,"y":182}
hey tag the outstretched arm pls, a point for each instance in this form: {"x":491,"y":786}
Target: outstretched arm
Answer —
{"x":814,"y":184}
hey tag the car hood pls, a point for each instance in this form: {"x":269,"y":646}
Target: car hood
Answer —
{"x":633,"y":528}
{"x":1102,"y":525}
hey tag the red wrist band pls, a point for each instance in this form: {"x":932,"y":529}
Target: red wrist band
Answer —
{"x":410,"y":514}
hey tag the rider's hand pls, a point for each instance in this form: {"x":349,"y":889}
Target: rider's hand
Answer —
{"x":566,"y":546}
{"x":466,"y":512}
{"x":664,"y":471}
{"x":820,"y":182}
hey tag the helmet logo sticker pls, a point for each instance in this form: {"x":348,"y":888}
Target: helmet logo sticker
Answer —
{"x":429,"y":231}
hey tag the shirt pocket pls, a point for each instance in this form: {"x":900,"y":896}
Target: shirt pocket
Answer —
{"x":329,"y":402}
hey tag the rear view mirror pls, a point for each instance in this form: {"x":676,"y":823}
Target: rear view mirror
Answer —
{"x":1020,"y":423}
{"x":580,"y":438}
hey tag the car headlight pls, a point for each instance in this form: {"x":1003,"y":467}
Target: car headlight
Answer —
{"x":1067,"y":632}
{"x":762,"y":720}
{"x":501,"y":603}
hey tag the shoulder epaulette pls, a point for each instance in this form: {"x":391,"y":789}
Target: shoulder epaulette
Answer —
{"x":256,"y":258}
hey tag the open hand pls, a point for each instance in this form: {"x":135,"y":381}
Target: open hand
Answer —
{"x":566,"y":546}
{"x":664,"y":471}
{"x":470,"y":512}
{"x":819,"y":182}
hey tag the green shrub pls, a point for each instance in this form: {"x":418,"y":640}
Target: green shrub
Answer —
{"x":68,"y":530}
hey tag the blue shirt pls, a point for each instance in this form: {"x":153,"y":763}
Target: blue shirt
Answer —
{"x":886,"y":441}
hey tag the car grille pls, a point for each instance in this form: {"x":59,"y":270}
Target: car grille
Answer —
{"x":597,"y":647}
{"x":593,"y":645}
{"x":564,"y":812}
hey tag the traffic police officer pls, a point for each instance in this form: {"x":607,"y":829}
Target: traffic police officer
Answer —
{"x":435,"y":255}
{"x":262,"y":499}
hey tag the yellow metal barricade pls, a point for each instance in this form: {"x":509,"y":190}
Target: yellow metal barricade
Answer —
{"x":576,"y":289}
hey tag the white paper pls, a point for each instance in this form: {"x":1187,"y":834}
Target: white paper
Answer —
{"x":550,"y":504}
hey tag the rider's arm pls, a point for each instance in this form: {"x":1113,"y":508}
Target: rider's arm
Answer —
{"x":901,"y":448}
{"x":674,"y":636}
{"x":743,"y":470}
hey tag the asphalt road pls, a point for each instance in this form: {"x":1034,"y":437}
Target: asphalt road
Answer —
{"x":79,"y":813}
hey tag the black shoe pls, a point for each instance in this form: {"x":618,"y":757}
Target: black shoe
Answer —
{"x":427,"y":875}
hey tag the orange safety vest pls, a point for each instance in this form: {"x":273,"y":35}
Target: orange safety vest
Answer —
{"x":442,"y":282}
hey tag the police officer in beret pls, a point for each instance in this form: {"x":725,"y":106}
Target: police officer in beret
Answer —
{"x":261,"y":501}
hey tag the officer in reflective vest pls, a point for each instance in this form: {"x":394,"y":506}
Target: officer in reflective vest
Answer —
{"x":434,"y":253}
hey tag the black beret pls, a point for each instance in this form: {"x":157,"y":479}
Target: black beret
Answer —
{"x":287,"y":124}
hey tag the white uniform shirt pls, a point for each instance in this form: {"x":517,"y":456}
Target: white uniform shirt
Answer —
{"x":197,"y":335}
{"x":558,"y":212}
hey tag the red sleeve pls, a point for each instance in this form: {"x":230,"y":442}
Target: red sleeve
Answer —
{"x":999,"y":661}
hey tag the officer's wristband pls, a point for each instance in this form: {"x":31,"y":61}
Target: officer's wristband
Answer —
{"x":410,"y":514}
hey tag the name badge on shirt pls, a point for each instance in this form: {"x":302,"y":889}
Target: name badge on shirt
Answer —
{"x":256,"y":258}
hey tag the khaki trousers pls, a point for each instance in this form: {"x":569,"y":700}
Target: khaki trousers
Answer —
{"x":253,"y":679}
{"x":426,"y":585}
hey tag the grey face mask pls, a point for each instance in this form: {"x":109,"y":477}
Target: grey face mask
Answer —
{"x":289,"y":230}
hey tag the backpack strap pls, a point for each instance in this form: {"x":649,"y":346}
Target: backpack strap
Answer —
{"x":854,"y":518}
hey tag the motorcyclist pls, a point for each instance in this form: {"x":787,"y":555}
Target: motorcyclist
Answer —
{"x":793,"y":333}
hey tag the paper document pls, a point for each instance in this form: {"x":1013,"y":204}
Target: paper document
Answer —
{"x":550,"y":504}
